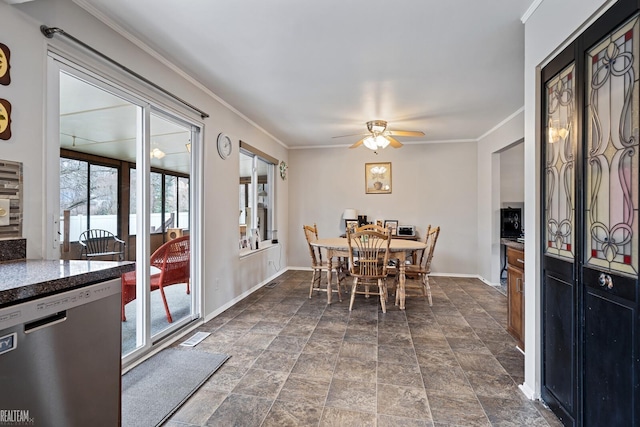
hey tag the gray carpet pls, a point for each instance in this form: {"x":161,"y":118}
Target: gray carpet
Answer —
{"x":155,"y":389}
{"x":179,"y":304}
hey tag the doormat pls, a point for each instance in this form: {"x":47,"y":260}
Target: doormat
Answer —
{"x":155,"y":389}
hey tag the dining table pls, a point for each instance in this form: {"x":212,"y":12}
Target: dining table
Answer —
{"x":338,"y":247}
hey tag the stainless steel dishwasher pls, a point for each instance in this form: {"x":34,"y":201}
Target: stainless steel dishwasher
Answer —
{"x":60,"y":359}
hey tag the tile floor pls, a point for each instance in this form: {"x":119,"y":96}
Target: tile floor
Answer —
{"x":297,"y":362}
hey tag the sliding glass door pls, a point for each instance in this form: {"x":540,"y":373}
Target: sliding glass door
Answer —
{"x":125,"y":167}
{"x":171,"y":300}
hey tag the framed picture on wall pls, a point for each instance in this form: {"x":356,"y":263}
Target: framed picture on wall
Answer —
{"x":5,"y":119}
{"x":392,"y":226}
{"x":377,"y":178}
{"x":5,"y":66}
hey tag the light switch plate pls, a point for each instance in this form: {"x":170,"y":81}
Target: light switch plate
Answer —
{"x":5,"y":207}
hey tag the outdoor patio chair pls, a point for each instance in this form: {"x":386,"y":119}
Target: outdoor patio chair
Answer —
{"x":101,"y":243}
{"x":173,"y":261}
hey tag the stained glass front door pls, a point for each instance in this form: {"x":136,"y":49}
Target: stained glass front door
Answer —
{"x":591,"y":184}
{"x":610,"y":273}
{"x":559,"y":289}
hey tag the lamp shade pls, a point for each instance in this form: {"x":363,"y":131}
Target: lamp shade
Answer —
{"x":370,"y":143}
{"x":350,"y":214}
{"x":381,"y":141}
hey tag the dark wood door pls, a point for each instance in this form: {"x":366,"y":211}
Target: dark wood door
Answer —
{"x":591,"y":352}
{"x":560,"y":294}
{"x":610,"y":219}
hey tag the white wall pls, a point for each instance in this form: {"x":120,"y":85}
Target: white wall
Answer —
{"x":551,"y":25}
{"x":431,"y":184}
{"x":512,"y":175}
{"x":25,"y":95}
{"x":488,"y":188}
{"x":225,"y":275}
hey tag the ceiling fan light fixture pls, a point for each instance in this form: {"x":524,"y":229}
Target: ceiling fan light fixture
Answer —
{"x":377,"y":126}
{"x":370,"y":143}
{"x":375,"y":142}
{"x":157,"y":153}
{"x":381,"y":141}
{"x":379,"y":137}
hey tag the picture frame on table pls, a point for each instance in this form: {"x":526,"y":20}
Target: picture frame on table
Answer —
{"x":377,"y":178}
{"x":379,"y":223}
{"x":392,"y":226}
{"x":350,"y":224}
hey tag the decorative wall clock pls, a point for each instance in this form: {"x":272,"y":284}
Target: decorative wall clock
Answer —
{"x":224,"y":146}
{"x":5,"y":119}
{"x":5,"y":65}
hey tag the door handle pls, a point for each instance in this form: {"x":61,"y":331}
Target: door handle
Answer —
{"x":605,"y":280}
{"x":54,"y":319}
{"x":519,"y":285}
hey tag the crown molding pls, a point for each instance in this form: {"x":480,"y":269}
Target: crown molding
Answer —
{"x":529,"y":12}
{"x":146,"y":48}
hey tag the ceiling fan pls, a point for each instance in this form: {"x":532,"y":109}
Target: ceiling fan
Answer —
{"x":379,"y":137}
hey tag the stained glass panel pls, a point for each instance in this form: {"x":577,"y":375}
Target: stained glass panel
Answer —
{"x":560,"y":165}
{"x":611,"y":205}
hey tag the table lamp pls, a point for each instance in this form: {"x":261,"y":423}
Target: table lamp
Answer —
{"x":350,"y":214}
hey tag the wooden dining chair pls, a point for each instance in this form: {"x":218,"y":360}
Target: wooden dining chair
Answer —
{"x":392,"y":268}
{"x":417,"y":275}
{"x":319,"y":265}
{"x":368,"y":259}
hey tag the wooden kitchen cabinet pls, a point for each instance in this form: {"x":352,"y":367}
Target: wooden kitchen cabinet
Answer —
{"x":515,"y":294}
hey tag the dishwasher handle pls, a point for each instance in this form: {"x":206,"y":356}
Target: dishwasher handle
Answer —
{"x":45,"y":322}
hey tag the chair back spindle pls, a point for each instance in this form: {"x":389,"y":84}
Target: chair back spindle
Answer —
{"x":100,"y":243}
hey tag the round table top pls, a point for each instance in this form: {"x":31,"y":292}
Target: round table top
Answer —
{"x":341,"y":243}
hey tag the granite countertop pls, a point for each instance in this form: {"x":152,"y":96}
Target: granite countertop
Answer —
{"x":26,"y":280}
{"x":512,"y":243}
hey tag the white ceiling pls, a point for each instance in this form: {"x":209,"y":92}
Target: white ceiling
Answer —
{"x":95,"y":121}
{"x":305,"y":71}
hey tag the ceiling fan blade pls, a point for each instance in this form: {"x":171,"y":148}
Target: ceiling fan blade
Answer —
{"x":405,"y":133}
{"x":351,"y":134}
{"x":394,"y":142}
{"x":357,"y":144}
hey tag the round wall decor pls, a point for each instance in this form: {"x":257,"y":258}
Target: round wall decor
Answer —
{"x":225,"y":146}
